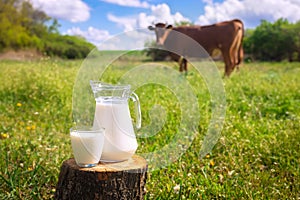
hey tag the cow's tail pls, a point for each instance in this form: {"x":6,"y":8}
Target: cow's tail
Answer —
{"x":240,"y":48}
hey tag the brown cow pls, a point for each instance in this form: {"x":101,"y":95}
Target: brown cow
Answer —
{"x":226,"y":36}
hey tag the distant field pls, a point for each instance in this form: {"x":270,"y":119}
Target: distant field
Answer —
{"x":257,"y":156}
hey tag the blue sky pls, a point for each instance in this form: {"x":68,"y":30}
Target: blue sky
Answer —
{"x":99,"y":20}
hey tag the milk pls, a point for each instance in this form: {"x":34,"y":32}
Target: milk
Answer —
{"x":87,"y":146}
{"x":120,"y":141}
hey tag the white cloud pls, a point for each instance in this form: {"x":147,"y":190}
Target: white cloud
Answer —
{"x":251,"y":12}
{"x":127,"y":23}
{"x":70,"y":10}
{"x":162,"y":13}
{"x":135,"y":33}
{"x":144,"y":20}
{"x":92,"y":34}
{"x":128,"y":40}
{"x":159,"y":13}
{"x":129,"y":3}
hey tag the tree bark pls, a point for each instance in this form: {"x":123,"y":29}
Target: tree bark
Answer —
{"x":121,"y":180}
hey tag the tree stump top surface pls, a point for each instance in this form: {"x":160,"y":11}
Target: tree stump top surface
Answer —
{"x":134,"y":163}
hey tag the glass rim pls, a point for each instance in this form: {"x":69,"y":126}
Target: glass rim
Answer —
{"x":86,"y":129}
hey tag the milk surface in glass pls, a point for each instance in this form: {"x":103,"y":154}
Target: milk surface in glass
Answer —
{"x":87,"y":146}
{"x":120,"y":142}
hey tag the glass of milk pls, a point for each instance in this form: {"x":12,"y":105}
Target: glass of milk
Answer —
{"x":87,"y":144}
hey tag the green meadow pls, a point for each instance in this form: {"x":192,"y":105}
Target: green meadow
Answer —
{"x":256,"y":157}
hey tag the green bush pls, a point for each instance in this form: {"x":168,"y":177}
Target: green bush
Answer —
{"x":70,"y":47}
{"x":23,"y":27}
{"x":276,"y":41}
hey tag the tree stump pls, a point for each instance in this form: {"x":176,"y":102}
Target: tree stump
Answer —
{"x":120,"y":180}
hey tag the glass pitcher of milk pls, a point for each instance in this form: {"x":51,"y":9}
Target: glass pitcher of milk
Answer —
{"x":112,"y":113}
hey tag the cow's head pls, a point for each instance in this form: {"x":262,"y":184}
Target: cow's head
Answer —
{"x":161,"y":31}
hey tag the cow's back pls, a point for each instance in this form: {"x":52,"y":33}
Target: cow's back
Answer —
{"x":187,"y":41}
{"x":220,"y":35}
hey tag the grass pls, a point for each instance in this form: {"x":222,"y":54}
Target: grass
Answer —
{"x":257,"y":156}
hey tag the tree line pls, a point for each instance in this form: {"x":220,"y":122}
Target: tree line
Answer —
{"x":273,"y":41}
{"x":23,"y":27}
{"x":276,"y":41}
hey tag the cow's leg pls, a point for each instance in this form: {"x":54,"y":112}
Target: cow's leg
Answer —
{"x":180,"y":66}
{"x":240,"y":57}
{"x":228,"y":68}
{"x":184,"y":63}
{"x":229,"y":65}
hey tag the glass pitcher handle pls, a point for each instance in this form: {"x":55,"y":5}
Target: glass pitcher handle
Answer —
{"x":137,"y":107}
